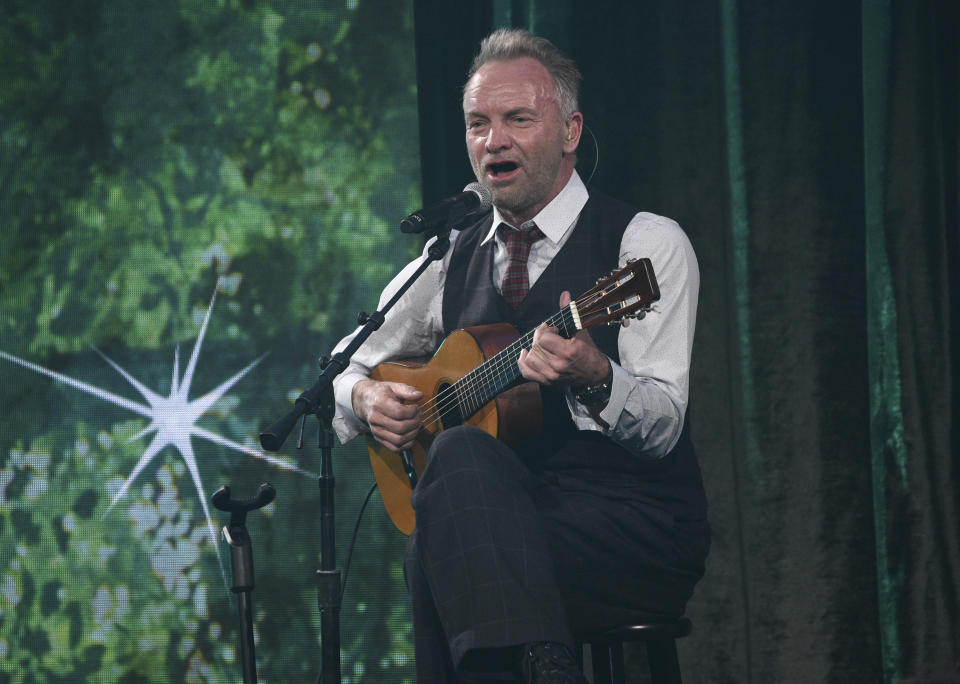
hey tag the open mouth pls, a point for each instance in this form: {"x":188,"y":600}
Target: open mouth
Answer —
{"x":500,"y":169}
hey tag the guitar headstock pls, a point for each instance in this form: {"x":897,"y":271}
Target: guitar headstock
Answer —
{"x":625,"y":293}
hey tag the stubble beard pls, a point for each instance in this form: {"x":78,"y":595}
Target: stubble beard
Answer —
{"x":517,"y":199}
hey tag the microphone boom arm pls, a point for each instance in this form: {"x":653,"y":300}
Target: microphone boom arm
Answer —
{"x":273,"y":437}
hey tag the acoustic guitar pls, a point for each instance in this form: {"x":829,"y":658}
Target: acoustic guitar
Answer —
{"x":473,"y":379}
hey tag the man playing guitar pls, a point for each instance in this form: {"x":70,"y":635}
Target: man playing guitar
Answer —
{"x":599,"y":517}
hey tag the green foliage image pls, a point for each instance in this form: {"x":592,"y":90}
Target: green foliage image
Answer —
{"x":196,"y":198}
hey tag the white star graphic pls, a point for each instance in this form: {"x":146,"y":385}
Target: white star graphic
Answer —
{"x":172,"y":418}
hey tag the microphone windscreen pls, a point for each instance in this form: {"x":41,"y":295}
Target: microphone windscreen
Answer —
{"x":483,"y":192}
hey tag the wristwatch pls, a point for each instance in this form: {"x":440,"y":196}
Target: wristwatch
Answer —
{"x":594,"y":396}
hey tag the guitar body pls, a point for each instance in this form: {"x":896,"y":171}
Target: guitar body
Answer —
{"x":512,"y":416}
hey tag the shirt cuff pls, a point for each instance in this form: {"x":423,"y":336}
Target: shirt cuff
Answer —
{"x":620,"y":386}
{"x":345,"y":422}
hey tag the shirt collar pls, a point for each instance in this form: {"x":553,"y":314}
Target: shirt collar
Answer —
{"x":554,"y":220}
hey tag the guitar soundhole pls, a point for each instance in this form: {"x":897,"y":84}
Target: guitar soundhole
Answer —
{"x":450,"y":413}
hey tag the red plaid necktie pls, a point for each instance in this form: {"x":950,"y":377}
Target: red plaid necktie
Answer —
{"x":516,"y":281}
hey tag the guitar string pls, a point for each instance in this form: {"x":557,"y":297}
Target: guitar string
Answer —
{"x":494,"y":373}
{"x":491,"y":376}
{"x":468,"y":391}
{"x":491,"y":381}
{"x":464,"y":392}
{"x":481,"y":376}
{"x":485,"y":382}
{"x":488,"y":382}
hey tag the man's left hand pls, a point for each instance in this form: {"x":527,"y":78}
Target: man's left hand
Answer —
{"x":558,"y":362}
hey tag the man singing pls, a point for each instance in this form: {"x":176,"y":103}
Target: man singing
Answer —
{"x":601,"y":520}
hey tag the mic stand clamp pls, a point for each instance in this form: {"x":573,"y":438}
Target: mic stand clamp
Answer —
{"x":319,"y":400}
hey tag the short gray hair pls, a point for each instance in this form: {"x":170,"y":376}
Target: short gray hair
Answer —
{"x":507,"y":44}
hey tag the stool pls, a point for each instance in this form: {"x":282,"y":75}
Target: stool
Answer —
{"x":606,"y":650}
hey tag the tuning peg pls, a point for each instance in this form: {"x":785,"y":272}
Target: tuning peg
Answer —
{"x":636,"y":315}
{"x":607,"y":276}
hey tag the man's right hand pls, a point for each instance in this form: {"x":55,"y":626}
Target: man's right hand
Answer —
{"x":391,"y":411}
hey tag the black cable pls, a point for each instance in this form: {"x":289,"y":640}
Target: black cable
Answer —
{"x":596,"y":154}
{"x":353,"y":539}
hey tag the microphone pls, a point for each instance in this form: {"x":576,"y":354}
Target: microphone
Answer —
{"x":474,"y":198}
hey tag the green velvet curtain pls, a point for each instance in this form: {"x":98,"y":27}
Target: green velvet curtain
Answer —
{"x":810,"y":150}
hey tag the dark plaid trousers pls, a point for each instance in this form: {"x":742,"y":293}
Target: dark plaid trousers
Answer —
{"x":504,"y":556}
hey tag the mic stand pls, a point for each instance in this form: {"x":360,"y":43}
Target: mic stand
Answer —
{"x":319,"y":400}
{"x":241,"y":558}
{"x":328,"y":576}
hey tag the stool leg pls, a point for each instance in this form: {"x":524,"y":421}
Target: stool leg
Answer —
{"x":608,"y":663}
{"x":602,"y":663}
{"x":616,"y":663}
{"x":663,"y":660}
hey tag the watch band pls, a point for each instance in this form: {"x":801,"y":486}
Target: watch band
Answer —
{"x":595,"y":395}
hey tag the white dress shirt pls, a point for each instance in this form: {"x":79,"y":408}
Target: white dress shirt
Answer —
{"x":650,"y":387}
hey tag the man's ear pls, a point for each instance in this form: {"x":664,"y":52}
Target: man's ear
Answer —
{"x":574,"y":128}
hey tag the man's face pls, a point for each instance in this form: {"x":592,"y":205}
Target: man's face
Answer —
{"x":517,"y":144}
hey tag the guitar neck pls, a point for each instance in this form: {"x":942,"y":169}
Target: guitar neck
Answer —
{"x":500,"y":372}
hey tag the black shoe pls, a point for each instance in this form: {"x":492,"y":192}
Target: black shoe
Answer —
{"x":549,"y":662}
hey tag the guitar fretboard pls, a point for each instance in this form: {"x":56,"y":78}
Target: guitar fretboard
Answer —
{"x":497,"y":373}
